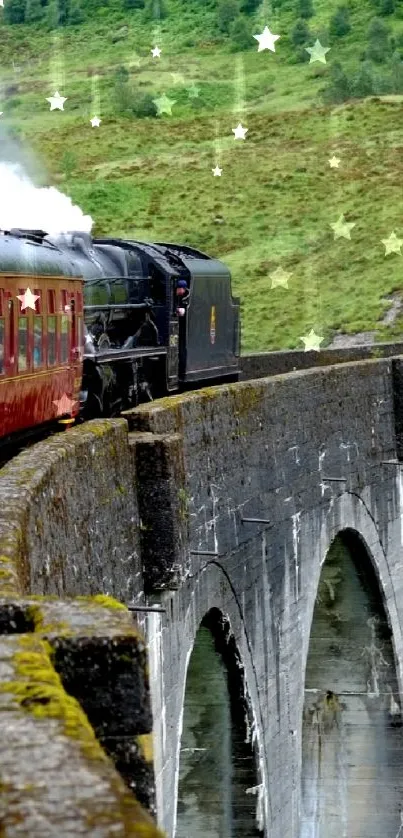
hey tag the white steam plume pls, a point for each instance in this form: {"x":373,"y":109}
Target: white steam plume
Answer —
{"x":22,"y":204}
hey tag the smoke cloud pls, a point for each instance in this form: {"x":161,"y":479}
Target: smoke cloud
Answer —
{"x":22,"y":204}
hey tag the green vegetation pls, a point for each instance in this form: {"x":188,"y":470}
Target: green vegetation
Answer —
{"x":149,"y":176}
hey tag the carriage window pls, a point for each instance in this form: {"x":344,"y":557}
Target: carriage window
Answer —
{"x":51,"y":302}
{"x":51,"y":340}
{"x":1,"y":345}
{"x":37,"y":342}
{"x":22,"y":343}
{"x":80,"y":338}
{"x":64,"y":339}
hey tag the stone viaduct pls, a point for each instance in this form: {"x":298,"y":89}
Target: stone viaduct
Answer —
{"x":217,"y":506}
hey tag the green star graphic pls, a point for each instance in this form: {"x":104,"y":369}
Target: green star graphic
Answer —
{"x":164,"y":105}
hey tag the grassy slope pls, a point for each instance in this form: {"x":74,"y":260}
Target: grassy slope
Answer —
{"x":152,"y":179}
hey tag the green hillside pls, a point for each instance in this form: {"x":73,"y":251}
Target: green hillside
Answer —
{"x":150,"y":176}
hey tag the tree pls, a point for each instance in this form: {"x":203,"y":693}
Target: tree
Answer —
{"x":14,"y":11}
{"x":34,"y":11}
{"x":133,"y":4}
{"x":338,"y":89}
{"x":240,"y":34}
{"x":76,"y":14}
{"x":300,"y":34}
{"x":363,"y":83}
{"x":340,"y":22}
{"x":227,"y":11}
{"x":396,"y":65}
{"x":386,"y":7}
{"x":250,"y":6}
{"x":53,"y":14}
{"x":154,"y":10}
{"x":304,"y":8}
{"x":378,"y":47}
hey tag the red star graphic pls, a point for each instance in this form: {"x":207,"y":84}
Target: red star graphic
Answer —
{"x":64,"y":405}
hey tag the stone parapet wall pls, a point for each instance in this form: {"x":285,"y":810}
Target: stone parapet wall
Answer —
{"x":262,"y":364}
{"x":64,"y":727}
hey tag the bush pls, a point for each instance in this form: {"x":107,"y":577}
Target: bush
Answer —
{"x":378,"y":48}
{"x":14,"y":11}
{"x":304,"y":8}
{"x":227,"y":11}
{"x":363,"y":83}
{"x":340,"y":23}
{"x":76,"y":14}
{"x":133,"y":4}
{"x":300,"y":34}
{"x":250,"y":6}
{"x":142,"y":105}
{"x":338,"y":89}
{"x":386,"y":7}
{"x":240,"y":34}
{"x":154,"y":10}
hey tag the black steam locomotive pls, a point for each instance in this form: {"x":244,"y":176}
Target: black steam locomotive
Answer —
{"x":158,"y":318}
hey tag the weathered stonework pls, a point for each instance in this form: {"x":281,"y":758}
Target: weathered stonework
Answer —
{"x":310,"y":453}
{"x":55,"y":776}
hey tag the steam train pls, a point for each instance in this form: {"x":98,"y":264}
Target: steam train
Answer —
{"x":90,"y":327}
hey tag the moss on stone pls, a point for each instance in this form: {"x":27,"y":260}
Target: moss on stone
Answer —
{"x":38,"y":690}
{"x":145,"y":743}
{"x":105,"y":601}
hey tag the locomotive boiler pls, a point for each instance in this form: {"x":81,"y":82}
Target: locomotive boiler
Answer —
{"x":90,"y":327}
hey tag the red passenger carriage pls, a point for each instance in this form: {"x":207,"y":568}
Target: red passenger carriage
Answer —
{"x":41,"y":339}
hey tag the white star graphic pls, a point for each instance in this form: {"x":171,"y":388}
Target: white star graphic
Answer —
{"x":217,"y":171}
{"x":64,"y":405}
{"x":2,"y":3}
{"x":334,"y":162}
{"x":317,"y":52}
{"x":312,"y":341}
{"x":279,"y":278}
{"x":27,"y":299}
{"x":193,"y":92}
{"x":342,"y":228}
{"x":95,"y":122}
{"x":156,"y":52}
{"x":56,"y":101}
{"x":392,"y":244}
{"x":1,"y":113}
{"x":239,"y":132}
{"x":164,"y":105}
{"x":266,"y":40}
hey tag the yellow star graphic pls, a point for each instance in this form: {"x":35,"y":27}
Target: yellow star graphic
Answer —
{"x":342,"y":228}
{"x":392,"y":244}
{"x":164,"y":105}
{"x":312,"y":341}
{"x":279,"y":278}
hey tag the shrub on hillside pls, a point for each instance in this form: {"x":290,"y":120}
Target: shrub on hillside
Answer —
{"x":338,"y":89}
{"x":154,"y":10}
{"x":227,"y":11}
{"x":304,"y":8}
{"x":386,"y":7}
{"x":363,"y":83}
{"x":34,"y":11}
{"x":340,"y":22}
{"x":241,"y":36}
{"x":378,"y":48}
{"x":14,"y":11}
{"x":396,"y":74}
{"x":250,"y":6}
{"x":300,"y":34}
{"x":76,"y":14}
{"x":142,"y":104}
